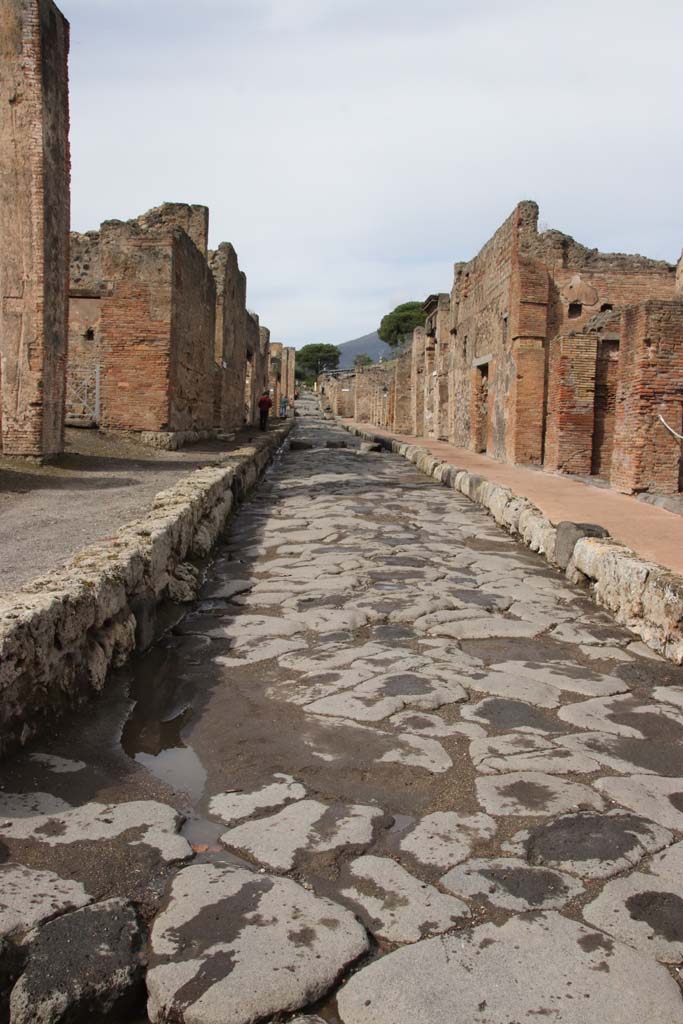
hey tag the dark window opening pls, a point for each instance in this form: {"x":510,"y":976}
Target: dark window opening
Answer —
{"x":606,"y":307}
{"x":89,"y":334}
{"x":575,"y":310}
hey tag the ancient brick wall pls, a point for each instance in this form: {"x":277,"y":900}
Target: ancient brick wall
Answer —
{"x":275,"y":371}
{"x":289,"y":376}
{"x":84,"y":348}
{"x":646,"y":456}
{"x":230,"y":350}
{"x":34,"y":225}
{"x":157,"y":328}
{"x":192,"y":218}
{"x":571,"y":400}
{"x":136,"y":328}
{"x":193,"y":334}
{"x":482,"y":308}
{"x":417,"y":387}
{"x":402,"y":421}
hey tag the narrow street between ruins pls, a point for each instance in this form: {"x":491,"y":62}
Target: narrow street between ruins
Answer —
{"x":390,"y":769}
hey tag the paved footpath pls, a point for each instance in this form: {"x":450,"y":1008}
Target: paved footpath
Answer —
{"x":654,"y":533}
{"x":424,"y":781}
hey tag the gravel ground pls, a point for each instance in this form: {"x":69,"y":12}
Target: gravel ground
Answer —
{"x":47,"y":513}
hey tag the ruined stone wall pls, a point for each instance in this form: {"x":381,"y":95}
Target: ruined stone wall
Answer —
{"x":275,"y":370}
{"x":84,"y":348}
{"x":441,"y":366}
{"x":193,"y":334}
{"x":192,"y":218}
{"x":481,"y":312}
{"x":230,"y":350}
{"x":571,"y":401}
{"x":289,"y":375}
{"x":417,"y":388}
{"x":646,"y":456}
{"x":34,"y":225}
{"x":508,"y":304}
{"x":136,"y":328}
{"x":402,"y":407}
{"x":158,"y":332}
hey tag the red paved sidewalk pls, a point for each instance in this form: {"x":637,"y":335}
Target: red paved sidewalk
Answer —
{"x":653,"y":533}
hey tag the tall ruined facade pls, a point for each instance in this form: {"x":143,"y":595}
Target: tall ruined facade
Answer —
{"x":516,"y":311}
{"x":34,"y":225}
{"x":547,"y":353}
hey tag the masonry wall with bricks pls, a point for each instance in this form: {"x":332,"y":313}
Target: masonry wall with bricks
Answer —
{"x":647,"y":455}
{"x":275,"y":371}
{"x":82,"y":399}
{"x":157,"y":323}
{"x":230,"y":349}
{"x":34,"y":226}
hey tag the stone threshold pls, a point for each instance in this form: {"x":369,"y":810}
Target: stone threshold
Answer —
{"x":645,"y":597}
{"x":61,"y":634}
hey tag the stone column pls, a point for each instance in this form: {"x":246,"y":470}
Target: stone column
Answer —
{"x":34,"y":225}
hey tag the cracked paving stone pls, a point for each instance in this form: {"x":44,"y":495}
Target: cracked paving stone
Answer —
{"x":446,"y":838}
{"x":236,"y":805}
{"x":418,"y":752}
{"x":423,"y":724}
{"x":505,"y":713}
{"x":233,"y":947}
{"x":29,"y":897}
{"x":512,"y":884}
{"x":400,"y":907}
{"x":517,"y":752}
{"x":554,"y":677}
{"x":669,"y":695}
{"x":591,"y":845}
{"x":533,"y":794}
{"x":83,"y":965}
{"x":50,"y":821}
{"x":307,"y":826}
{"x":643,"y":911}
{"x":543,"y":966}
{"x":663,"y":756}
{"x":378,"y":698}
{"x":657,"y":798}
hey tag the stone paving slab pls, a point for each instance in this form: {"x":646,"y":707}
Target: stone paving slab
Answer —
{"x":544,"y":966}
{"x":232,"y":947}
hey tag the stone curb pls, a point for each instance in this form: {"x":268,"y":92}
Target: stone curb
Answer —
{"x":61,"y":634}
{"x":643,"y":596}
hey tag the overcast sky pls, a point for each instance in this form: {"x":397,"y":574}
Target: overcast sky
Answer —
{"x":352,"y":150}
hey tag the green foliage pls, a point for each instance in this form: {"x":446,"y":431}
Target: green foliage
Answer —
{"x":312,"y":360}
{"x":361,"y":360}
{"x":398,"y":325}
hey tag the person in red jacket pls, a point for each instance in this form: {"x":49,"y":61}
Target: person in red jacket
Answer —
{"x":265,"y":404}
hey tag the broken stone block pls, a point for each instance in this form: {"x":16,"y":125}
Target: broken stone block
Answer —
{"x":568,"y":533}
{"x":370,"y":446}
{"x":83,"y":965}
{"x":233,"y":946}
{"x":512,"y":973}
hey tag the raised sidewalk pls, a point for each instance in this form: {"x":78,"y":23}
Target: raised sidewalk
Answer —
{"x":652,"y":533}
{"x":632,"y":563}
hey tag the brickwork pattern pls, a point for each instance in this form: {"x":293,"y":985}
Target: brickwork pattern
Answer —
{"x":34,"y":225}
{"x":647,"y":457}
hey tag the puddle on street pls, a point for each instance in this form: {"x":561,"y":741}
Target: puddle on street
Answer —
{"x":154,"y":735}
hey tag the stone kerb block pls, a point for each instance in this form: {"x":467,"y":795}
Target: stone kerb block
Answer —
{"x":567,"y":535}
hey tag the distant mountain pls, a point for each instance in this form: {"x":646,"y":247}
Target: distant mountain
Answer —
{"x":369,"y":345}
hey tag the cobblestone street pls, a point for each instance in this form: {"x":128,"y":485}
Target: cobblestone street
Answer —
{"x":390,"y":769}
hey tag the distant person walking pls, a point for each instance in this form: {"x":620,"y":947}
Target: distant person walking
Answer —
{"x":265,"y":404}
{"x":283,"y":407}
